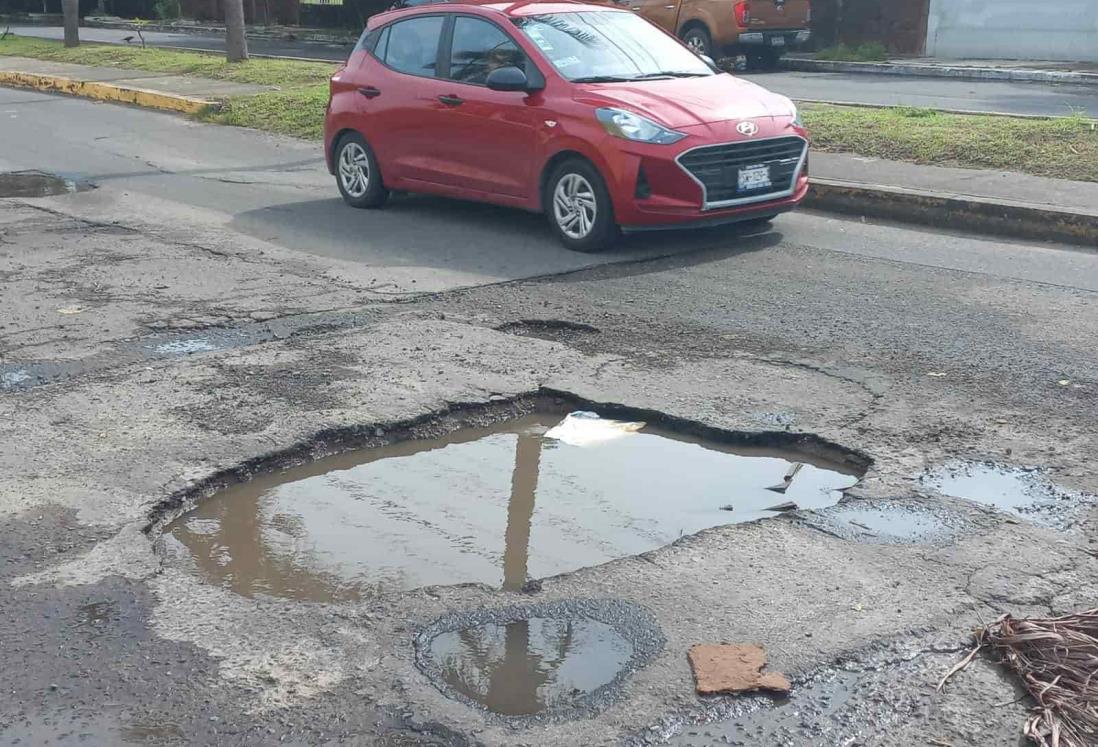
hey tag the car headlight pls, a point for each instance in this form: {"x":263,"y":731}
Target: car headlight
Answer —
{"x":630,"y":126}
{"x":797,"y":116}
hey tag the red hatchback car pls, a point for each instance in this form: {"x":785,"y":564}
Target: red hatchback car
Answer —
{"x":587,"y":113}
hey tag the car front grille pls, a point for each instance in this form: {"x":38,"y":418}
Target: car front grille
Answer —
{"x":717,"y":169}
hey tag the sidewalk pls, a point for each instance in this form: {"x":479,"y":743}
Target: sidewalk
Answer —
{"x":302,"y":34}
{"x":997,"y":202}
{"x":1041,"y":71}
{"x":180,"y":93}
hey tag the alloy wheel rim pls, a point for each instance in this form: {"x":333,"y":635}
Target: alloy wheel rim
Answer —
{"x":696,"y":44}
{"x":575,"y":206}
{"x":354,"y":169}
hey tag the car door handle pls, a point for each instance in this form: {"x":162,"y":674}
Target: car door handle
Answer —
{"x":451,"y":100}
{"x":669,"y":7}
{"x":369,"y":92}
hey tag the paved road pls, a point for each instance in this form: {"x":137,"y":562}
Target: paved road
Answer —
{"x":993,"y":96}
{"x":910,"y":347}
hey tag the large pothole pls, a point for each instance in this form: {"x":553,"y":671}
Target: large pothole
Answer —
{"x":501,"y":505}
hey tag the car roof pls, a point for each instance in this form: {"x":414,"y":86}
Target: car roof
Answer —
{"x":514,"y":9}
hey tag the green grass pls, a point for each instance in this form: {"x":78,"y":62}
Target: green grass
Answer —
{"x":257,"y":71}
{"x":295,"y":111}
{"x":871,"y":52}
{"x":1066,"y":147}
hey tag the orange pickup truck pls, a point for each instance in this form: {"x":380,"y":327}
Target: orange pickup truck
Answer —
{"x":760,"y":29}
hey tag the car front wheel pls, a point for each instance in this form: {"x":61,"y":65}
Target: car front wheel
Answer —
{"x":579,"y":208}
{"x":357,"y":173}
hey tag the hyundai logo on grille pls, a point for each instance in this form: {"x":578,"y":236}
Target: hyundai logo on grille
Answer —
{"x":750,"y":129}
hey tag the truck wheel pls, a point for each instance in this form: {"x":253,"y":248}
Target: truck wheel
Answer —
{"x":697,"y":39}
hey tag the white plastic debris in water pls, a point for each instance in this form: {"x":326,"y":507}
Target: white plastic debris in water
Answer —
{"x":586,"y":428}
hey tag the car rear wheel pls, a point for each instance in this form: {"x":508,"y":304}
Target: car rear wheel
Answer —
{"x":697,"y":39}
{"x":579,"y":208}
{"x":357,"y":173}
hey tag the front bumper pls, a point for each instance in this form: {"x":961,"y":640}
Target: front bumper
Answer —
{"x":652,"y":189}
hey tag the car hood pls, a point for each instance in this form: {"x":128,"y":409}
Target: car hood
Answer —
{"x":683,"y":102}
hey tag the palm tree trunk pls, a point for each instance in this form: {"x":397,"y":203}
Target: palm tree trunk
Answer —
{"x":70,"y":9}
{"x":236,"y":43}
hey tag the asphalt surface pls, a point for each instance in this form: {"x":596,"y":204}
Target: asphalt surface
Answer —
{"x":889,"y":90}
{"x":912,"y":349}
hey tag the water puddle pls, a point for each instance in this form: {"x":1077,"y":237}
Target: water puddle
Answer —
{"x":496,"y":506}
{"x":888,"y":522}
{"x":524,"y":667}
{"x":1021,"y":491}
{"x":39,"y":184}
{"x":185,"y":346}
{"x":561,"y":658}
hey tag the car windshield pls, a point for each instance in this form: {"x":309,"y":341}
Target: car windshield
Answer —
{"x":604,"y":46}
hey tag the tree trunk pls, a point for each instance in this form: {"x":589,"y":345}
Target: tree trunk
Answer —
{"x":71,"y":11}
{"x":235,"y":41}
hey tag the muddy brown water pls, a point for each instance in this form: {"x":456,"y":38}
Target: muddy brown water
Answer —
{"x":497,"y":506}
{"x":529,"y":666}
{"x":38,"y":184}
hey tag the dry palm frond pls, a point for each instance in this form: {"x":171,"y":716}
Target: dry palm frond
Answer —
{"x":1057,"y":659}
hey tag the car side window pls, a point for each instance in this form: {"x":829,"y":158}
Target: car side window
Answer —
{"x":373,"y":41}
{"x":478,"y":48}
{"x":412,"y":46}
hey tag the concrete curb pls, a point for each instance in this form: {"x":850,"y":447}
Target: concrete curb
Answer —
{"x":963,"y":72}
{"x":101,"y":91}
{"x":963,"y":212}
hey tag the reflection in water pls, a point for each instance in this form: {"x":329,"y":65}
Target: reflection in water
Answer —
{"x":495,"y":506}
{"x":527,"y":666}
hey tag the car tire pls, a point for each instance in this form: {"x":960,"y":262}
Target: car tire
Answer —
{"x":698,"y":40}
{"x":357,"y":174}
{"x":579,"y":208}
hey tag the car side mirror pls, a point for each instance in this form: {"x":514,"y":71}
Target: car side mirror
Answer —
{"x":508,"y":78}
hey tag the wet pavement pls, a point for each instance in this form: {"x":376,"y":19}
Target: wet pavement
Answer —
{"x":891,"y":521}
{"x":498,"y":506}
{"x":39,"y":184}
{"x":1022,"y":491}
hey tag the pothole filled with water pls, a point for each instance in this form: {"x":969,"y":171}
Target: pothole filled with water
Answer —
{"x":39,"y":184}
{"x":1025,"y":492}
{"x":526,"y":499}
{"x":558,"y":658}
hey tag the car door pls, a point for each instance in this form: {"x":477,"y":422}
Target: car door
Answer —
{"x":663,"y":13}
{"x":487,"y":137}
{"x":400,"y":91}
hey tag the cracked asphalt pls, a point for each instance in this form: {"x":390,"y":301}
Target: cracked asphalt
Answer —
{"x":211,"y":310}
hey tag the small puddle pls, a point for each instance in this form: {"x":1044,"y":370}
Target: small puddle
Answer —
{"x":495,"y":506}
{"x":887,"y":521}
{"x":1018,"y":490}
{"x":524,"y":667}
{"x":39,"y":184}
{"x":563,"y":658}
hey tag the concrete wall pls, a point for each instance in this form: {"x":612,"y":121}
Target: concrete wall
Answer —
{"x":1014,"y":29}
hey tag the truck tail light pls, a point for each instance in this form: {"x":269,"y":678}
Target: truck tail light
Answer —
{"x":743,"y":13}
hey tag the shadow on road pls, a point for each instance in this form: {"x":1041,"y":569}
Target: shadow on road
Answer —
{"x":466,"y":237}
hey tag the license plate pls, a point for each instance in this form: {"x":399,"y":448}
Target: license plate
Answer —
{"x":754,"y":177}
{"x":777,"y":41}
